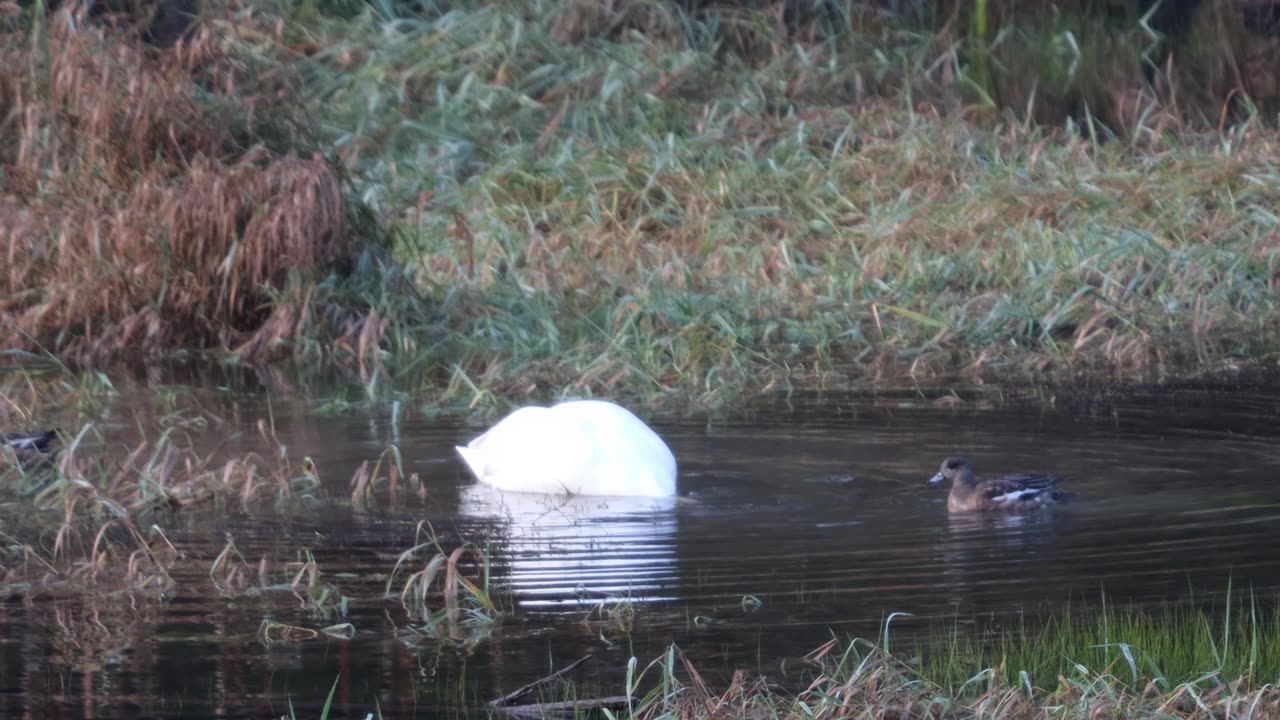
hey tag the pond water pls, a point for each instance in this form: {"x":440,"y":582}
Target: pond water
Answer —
{"x":799,"y":519}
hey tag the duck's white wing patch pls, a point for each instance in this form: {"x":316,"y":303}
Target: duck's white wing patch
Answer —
{"x":1011,"y":496}
{"x":25,"y":441}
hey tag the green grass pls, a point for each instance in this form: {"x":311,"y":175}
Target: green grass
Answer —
{"x":1103,"y":661}
{"x":682,"y":203}
{"x":450,"y":596}
{"x":645,"y":214}
{"x":1163,"y":645}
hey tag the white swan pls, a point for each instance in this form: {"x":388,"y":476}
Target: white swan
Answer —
{"x":583,"y":447}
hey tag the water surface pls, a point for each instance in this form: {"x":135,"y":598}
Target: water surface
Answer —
{"x":797,"y":520}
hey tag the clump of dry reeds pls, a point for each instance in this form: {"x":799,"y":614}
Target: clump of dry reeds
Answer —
{"x":87,"y":515}
{"x":137,"y":217}
{"x":450,"y":593}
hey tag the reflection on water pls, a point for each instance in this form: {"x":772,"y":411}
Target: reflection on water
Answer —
{"x":794,"y":522}
{"x":561,"y":550}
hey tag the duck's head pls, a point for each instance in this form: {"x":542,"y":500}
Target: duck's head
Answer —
{"x":954,"y":468}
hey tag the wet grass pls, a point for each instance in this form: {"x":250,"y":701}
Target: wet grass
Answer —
{"x":446,"y":591}
{"x":103,"y":533}
{"x":1178,"y":662}
{"x":369,"y":486}
{"x":91,"y":518}
{"x":1232,"y":638}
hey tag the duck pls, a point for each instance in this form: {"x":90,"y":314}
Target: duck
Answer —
{"x":39,"y":441}
{"x":579,"y":447}
{"x":32,"y":448}
{"x":1008,"y":493}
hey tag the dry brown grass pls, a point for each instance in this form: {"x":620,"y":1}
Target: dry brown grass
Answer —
{"x":133,"y":220}
{"x":1130,"y":66}
{"x":877,"y":685}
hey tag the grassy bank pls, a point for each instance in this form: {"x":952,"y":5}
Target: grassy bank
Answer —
{"x":640,"y":210}
{"x":1184,"y":662}
{"x":499,"y":200}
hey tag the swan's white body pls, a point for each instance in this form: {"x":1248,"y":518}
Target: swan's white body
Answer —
{"x":582,"y":447}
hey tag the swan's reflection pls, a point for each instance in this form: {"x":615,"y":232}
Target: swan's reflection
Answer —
{"x":576,"y":550}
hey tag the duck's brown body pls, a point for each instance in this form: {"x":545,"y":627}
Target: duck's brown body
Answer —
{"x":1003,"y":493}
